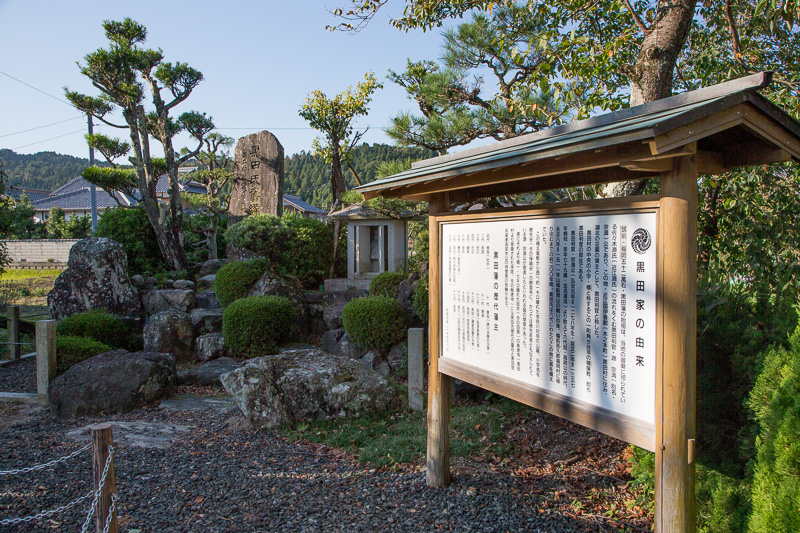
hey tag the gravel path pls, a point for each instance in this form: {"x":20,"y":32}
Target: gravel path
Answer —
{"x":19,"y":377}
{"x":224,"y":476}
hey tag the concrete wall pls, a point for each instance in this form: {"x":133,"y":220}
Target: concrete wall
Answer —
{"x":39,"y":250}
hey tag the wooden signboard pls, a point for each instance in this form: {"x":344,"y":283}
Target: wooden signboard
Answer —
{"x":556,"y":307}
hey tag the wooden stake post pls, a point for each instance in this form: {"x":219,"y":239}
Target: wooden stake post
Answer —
{"x":12,"y":325}
{"x":101,"y":440}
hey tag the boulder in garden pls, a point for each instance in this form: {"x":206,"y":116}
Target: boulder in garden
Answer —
{"x":96,"y":278}
{"x":170,"y":332}
{"x":306,"y":383}
{"x":112,"y":382}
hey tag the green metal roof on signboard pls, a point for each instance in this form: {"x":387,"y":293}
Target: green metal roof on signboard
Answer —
{"x":649,"y":123}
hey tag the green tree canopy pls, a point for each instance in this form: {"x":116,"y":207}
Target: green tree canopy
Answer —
{"x":334,"y":117}
{"x":125,"y":73}
{"x":458,"y":105}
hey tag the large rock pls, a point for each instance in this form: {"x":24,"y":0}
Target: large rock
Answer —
{"x":332,"y":314}
{"x":206,"y":300}
{"x":96,"y":278}
{"x":301,"y":384}
{"x":288,"y":287}
{"x":171,"y":332}
{"x":211,"y":346}
{"x":334,"y":305}
{"x":211,"y":267}
{"x":167,"y":299}
{"x":208,"y":373}
{"x":206,"y":283}
{"x":206,"y":321}
{"x":271,"y":284}
{"x":112,"y":382}
{"x":330,"y":339}
{"x":345,"y":347}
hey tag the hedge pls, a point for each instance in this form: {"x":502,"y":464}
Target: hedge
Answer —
{"x":98,"y":325}
{"x":234,"y":280}
{"x":386,"y":284}
{"x":292,"y":245}
{"x":374,"y":322}
{"x":257,"y":325}
{"x":72,"y":350}
{"x":420,"y":299}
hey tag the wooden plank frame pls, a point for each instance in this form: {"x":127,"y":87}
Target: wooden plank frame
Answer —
{"x":604,"y":420}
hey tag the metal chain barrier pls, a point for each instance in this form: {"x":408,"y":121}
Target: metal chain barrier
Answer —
{"x":44,"y":465}
{"x":61,"y":509}
{"x":100,"y":486}
{"x":45,"y":514}
{"x":110,"y":512}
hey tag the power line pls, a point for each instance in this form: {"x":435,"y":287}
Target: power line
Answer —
{"x":36,"y":89}
{"x":50,"y":139}
{"x":40,"y":127}
{"x":306,"y":128}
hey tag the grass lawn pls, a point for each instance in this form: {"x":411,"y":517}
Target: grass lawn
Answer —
{"x":25,"y":273}
{"x":27,"y":288}
{"x":399,"y":437}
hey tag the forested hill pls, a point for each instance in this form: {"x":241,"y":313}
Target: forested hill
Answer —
{"x":43,"y":170}
{"x":305,"y":175}
{"x":308,"y":176}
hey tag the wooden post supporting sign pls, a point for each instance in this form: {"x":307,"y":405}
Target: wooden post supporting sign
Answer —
{"x":675,"y":390}
{"x":439,"y":385}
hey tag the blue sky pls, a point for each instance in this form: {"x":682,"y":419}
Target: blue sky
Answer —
{"x":260,"y":60}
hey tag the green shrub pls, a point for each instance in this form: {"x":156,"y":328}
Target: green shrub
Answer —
{"x":775,"y":400}
{"x":234,"y":280}
{"x":418,"y":230}
{"x":294,"y":246}
{"x":98,"y":325}
{"x":374,"y":322}
{"x":72,"y":350}
{"x":257,"y":325}
{"x":420,"y":299}
{"x":131,"y":228}
{"x":386,"y":284}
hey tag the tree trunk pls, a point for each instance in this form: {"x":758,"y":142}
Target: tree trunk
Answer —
{"x":337,"y":177}
{"x":652,"y":74}
{"x":337,"y":227}
{"x":168,"y":243}
{"x":211,"y":237}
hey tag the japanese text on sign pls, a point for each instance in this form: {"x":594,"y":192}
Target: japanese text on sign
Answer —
{"x":567,"y":305}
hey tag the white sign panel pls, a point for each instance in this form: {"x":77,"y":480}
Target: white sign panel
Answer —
{"x":567,"y":305}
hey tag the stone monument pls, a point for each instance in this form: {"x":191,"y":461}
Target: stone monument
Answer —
{"x":258,"y":176}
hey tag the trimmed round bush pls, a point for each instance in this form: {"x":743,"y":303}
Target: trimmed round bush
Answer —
{"x":72,"y":350}
{"x":257,"y":325}
{"x":374,"y":322}
{"x":420,"y":299}
{"x":293,"y":246}
{"x":234,"y":280}
{"x":98,"y":325}
{"x":386,"y":284}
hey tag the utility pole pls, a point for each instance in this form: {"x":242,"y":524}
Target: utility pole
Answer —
{"x":92,"y":188}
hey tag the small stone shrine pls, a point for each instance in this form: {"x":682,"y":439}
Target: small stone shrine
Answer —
{"x":375,"y":242}
{"x":258,"y":176}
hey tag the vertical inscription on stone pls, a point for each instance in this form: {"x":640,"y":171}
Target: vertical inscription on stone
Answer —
{"x":258,"y":176}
